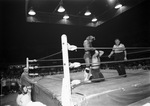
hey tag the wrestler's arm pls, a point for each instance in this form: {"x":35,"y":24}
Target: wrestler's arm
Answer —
{"x":101,"y":53}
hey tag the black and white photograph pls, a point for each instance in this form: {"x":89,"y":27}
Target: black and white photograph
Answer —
{"x":75,"y":52}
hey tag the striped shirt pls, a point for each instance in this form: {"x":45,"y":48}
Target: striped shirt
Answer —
{"x":118,"y":48}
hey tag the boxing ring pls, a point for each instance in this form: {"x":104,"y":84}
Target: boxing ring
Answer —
{"x":56,"y":90}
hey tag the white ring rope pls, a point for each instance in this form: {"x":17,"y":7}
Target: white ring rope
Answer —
{"x":138,"y":52}
{"x":73,"y":47}
{"x":77,"y":63}
{"x":111,"y":47}
{"x":36,"y":67}
{"x":138,"y":59}
{"x":50,"y":60}
{"x":59,"y":59}
{"x":82,"y":58}
{"x":49,"y":56}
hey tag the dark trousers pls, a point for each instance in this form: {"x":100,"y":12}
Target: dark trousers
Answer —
{"x":120,"y":66}
{"x":97,"y":75}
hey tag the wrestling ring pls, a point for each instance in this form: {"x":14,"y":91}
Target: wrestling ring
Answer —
{"x":58,"y":91}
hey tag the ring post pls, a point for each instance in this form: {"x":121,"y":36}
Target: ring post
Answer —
{"x":27,"y":63}
{"x":66,"y":89}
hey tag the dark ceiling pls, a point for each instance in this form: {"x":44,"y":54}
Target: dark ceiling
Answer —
{"x":20,"y":39}
{"x":103,"y":10}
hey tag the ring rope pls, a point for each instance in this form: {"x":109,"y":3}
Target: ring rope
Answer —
{"x":36,"y":67}
{"x":138,"y":51}
{"x":147,"y":58}
{"x":131,"y":52}
{"x":107,"y":62}
{"x":101,"y":56}
{"x":111,"y":47}
{"x":49,"y":55}
{"x":50,"y":60}
{"x":50,"y":66}
{"x":59,"y":78}
{"x":60,"y":59}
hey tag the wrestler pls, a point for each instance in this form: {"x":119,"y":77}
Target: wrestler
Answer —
{"x":96,"y":75}
{"x":95,"y":67}
{"x":89,"y":51}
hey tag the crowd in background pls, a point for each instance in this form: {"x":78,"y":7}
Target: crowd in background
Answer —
{"x":10,"y":80}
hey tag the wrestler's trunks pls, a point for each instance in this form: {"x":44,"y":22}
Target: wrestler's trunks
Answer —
{"x":96,"y":75}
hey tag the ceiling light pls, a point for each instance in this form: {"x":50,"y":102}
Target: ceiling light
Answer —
{"x":61,"y":9}
{"x":94,"y":19}
{"x":66,"y":16}
{"x":118,"y":6}
{"x":31,"y":12}
{"x":111,"y":1}
{"x":87,"y":13}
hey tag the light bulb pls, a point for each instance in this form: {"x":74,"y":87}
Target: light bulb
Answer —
{"x":94,"y":19}
{"x":118,"y":6}
{"x":66,"y":17}
{"x":87,"y":13}
{"x":61,"y":9}
{"x":31,"y":12}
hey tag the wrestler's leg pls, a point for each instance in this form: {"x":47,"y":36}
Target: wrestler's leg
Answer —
{"x":87,"y":61}
{"x":87,"y":71}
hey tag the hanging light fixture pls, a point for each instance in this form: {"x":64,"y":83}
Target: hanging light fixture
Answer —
{"x":118,"y":6}
{"x":87,"y":13}
{"x":66,"y":16}
{"x":61,"y":8}
{"x":31,"y":12}
{"x":94,"y":19}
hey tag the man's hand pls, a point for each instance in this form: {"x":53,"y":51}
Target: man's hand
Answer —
{"x":125,"y":58}
{"x":109,"y":56}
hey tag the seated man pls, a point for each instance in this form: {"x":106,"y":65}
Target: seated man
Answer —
{"x":24,"y":97}
{"x":95,"y":68}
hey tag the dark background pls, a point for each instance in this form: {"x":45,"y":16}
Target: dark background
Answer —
{"x":20,"y":39}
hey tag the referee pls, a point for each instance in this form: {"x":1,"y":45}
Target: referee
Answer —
{"x":120,"y":54}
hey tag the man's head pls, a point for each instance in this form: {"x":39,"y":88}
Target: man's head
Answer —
{"x":117,"y":41}
{"x":26,"y":69}
{"x":90,"y":38}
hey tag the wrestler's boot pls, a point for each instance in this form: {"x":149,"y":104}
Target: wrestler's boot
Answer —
{"x":87,"y":74}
